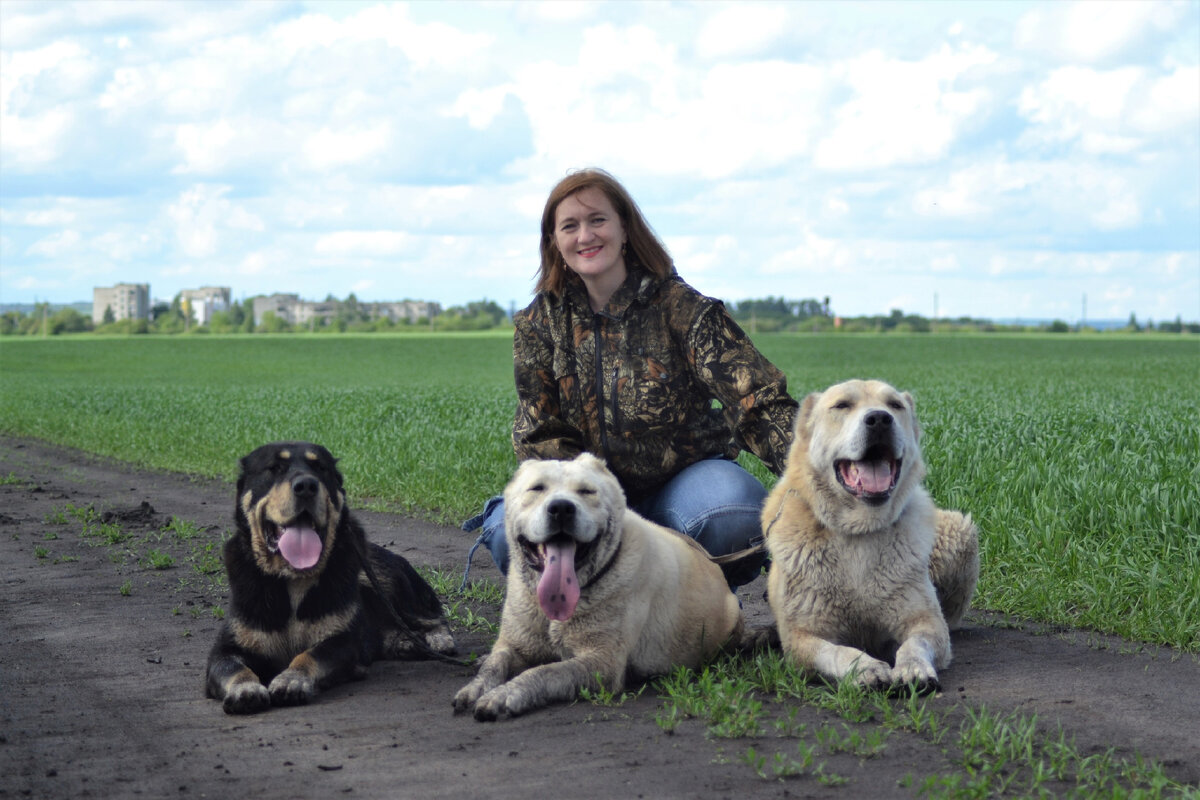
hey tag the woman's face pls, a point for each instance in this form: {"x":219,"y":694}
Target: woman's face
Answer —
{"x":589,"y":234}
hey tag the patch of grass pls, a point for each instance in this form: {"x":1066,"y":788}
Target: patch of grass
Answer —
{"x":126,"y":588}
{"x":182,"y":529}
{"x":603,"y":695}
{"x":992,"y":755}
{"x":464,"y":606}
{"x":41,"y":552}
{"x":10,"y":479}
{"x":157,"y":559}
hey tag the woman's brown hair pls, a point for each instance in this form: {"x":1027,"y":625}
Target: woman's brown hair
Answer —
{"x":642,"y":247}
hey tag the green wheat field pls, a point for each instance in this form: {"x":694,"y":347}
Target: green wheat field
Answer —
{"x":1079,"y":457}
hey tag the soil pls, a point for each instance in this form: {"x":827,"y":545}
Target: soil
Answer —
{"x":102,"y":656}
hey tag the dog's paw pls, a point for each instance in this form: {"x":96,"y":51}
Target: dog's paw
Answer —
{"x":246,"y":698}
{"x":498,"y":702}
{"x":870,"y":673}
{"x":917,"y":673}
{"x":465,"y":699}
{"x":292,"y":688}
{"x":441,"y":641}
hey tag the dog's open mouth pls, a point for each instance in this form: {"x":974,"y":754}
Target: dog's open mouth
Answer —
{"x":872,"y":479}
{"x":555,"y":559}
{"x":297,"y":541}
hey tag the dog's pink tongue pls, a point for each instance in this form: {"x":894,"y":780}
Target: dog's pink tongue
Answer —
{"x":874,"y":476}
{"x":300,"y":546}
{"x":558,"y":590}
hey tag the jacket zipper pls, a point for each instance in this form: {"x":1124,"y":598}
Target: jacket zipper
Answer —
{"x":597,"y":341}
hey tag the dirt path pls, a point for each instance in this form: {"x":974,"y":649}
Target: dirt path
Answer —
{"x":101,"y":659}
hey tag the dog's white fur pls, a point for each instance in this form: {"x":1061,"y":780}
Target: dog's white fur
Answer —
{"x":649,"y":598}
{"x":861,"y":557}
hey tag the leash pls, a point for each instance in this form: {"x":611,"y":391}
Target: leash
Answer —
{"x":758,"y":544}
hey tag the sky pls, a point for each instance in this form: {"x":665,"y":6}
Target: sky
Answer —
{"x":1001,"y":160}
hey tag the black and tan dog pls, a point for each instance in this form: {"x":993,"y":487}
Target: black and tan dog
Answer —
{"x":312,"y":603}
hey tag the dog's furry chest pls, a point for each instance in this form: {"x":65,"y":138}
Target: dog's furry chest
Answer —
{"x":285,"y":620}
{"x":836,"y":576}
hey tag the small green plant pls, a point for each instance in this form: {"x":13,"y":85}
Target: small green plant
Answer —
{"x":126,"y":588}
{"x":157,"y":559}
{"x":49,"y":536}
{"x":182,"y":529}
{"x":604,"y":696}
{"x":10,"y":479}
{"x":41,"y":552}
{"x":779,"y":766}
{"x":206,"y":560}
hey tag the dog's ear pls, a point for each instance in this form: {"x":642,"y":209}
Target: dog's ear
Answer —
{"x":912,"y":410}
{"x":804,"y":416}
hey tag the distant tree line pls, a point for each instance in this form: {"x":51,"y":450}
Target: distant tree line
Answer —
{"x":769,"y":315}
{"x":777,"y":314}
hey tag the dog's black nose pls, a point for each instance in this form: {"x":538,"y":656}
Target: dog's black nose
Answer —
{"x":305,"y":486}
{"x":880,"y":419}
{"x":561,"y":511}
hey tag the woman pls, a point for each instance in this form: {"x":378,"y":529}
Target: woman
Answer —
{"x":618,"y":356}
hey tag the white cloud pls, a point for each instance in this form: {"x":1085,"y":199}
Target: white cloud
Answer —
{"x":743,"y":29}
{"x":481,"y":106}
{"x":34,"y":126}
{"x":56,"y":245}
{"x":1093,"y":31}
{"x":1111,"y":112}
{"x":202,"y":216}
{"x":903,"y":112}
{"x":370,"y":243}
{"x":205,"y":148}
{"x":328,"y":148}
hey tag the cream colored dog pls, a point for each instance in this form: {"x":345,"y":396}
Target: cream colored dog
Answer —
{"x":865,"y":569}
{"x":595,"y":594}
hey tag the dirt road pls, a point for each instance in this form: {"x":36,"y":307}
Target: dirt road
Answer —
{"x":101,"y":659}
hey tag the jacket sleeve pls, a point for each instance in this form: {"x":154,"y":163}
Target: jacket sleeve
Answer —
{"x":752,"y":389}
{"x":539,"y":430}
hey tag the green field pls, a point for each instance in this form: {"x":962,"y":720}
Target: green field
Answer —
{"x":1079,"y":457}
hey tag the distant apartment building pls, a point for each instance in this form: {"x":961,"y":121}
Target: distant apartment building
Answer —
{"x":294,"y":311}
{"x":202,"y":303}
{"x":126,"y":300}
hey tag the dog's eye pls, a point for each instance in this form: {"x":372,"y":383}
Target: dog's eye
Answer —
{"x":586,"y":490}
{"x":538,"y":487}
{"x":895,"y":405}
{"x":842,"y":405}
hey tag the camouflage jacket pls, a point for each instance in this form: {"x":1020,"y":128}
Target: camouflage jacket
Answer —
{"x":660,"y":379}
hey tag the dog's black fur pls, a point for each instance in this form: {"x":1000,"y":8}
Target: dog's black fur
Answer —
{"x":292,"y":630}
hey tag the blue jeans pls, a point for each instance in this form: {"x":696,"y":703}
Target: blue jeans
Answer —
{"x":715,"y":501}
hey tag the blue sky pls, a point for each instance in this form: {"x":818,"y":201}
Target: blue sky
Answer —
{"x":987,"y":159}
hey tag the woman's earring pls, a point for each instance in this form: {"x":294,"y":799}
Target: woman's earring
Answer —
{"x":623,"y":249}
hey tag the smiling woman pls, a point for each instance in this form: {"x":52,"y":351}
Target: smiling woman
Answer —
{"x":619,"y":357}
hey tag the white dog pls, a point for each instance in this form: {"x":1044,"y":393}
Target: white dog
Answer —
{"x":595,"y":594}
{"x":866,"y":570}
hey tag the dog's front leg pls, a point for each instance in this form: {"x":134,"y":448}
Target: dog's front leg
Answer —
{"x":835,"y":661}
{"x":924,"y":650}
{"x":332,"y":661}
{"x":552,"y":683}
{"x":236,"y":685}
{"x":499,"y":665}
